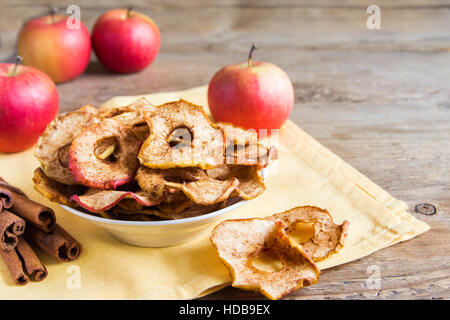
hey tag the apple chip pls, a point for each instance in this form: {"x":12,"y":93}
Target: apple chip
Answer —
{"x":237,"y":135}
{"x":192,"y":181}
{"x":89,"y":109}
{"x":153,"y":181}
{"x":252,"y":154}
{"x":53,"y":146}
{"x":193,"y":210}
{"x":202,"y":145}
{"x":95,"y":200}
{"x":131,"y":116}
{"x":51,"y":189}
{"x":87,"y":165}
{"x":327,"y":237}
{"x":251,"y":183}
{"x":138,"y":105}
{"x":174,"y":208}
{"x":207,"y":191}
{"x":174,"y":195}
{"x":121,"y":214}
{"x":239,"y":243}
{"x":130,"y":205}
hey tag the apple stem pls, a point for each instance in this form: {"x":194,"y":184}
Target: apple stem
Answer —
{"x":53,"y":11}
{"x":18,"y":61}
{"x":130,"y":8}
{"x":250,"y":54}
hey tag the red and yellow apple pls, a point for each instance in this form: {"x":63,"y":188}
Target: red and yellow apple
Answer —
{"x":125,"y":41}
{"x":252,"y":95}
{"x":51,"y":44}
{"x":28,"y":102}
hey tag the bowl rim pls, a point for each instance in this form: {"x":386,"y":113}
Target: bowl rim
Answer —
{"x":154,"y":223}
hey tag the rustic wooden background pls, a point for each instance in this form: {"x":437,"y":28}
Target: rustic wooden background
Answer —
{"x":380,"y":99}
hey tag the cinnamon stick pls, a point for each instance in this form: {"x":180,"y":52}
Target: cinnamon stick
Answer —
{"x":40,"y":216}
{"x":23,"y":264}
{"x":34,"y":268}
{"x":14,"y":265}
{"x":11,"y":226}
{"x":58,"y":243}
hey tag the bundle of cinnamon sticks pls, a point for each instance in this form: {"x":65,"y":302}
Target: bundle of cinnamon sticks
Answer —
{"x":22,"y":220}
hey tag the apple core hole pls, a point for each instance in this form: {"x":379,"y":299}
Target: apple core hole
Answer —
{"x":106,"y":149}
{"x":301,"y":232}
{"x":180,"y":137}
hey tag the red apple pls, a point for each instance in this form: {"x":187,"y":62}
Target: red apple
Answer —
{"x":252,"y":95}
{"x":125,"y":41}
{"x":55,"y":46}
{"x":28,"y":102}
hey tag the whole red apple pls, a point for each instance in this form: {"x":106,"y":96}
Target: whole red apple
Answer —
{"x":28,"y":102}
{"x":125,"y":41}
{"x":56,"y":46}
{"x":252,"y":95}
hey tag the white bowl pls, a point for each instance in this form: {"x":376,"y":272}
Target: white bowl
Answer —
{"x":157,"y":233}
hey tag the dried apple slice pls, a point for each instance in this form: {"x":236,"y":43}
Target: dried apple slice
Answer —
{"x":89,"y":109}
{"x":51,"y":189}
{"x":131,"y":116}
{"x":87,"y":168}
{"x":53,"y":145}
{"x":242,"y":147}
{"x":174,"y":208}
{"x":130,"y":205}
{"x":153,"y":181}
{"x":138,"y":105}
{"x":240,"y":242}
{"x":190,"y":209}
{"x":251,"y":183}
{"x":95,"y":200}
{"x":327,"y":237}
{"x":207,"y":191}
{"x":237,"y":135}
{"x":193,"y":210}
{"x":151,"y":212}
{"x":121,"y":214}
{"x":204,"y":149}
{"x":252,"y":154}
{"x":173,"y":196}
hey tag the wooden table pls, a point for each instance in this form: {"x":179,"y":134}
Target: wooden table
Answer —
{"x":377,"y":98}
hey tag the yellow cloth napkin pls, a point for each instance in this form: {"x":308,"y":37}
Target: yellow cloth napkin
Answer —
{"x":306,"y":174}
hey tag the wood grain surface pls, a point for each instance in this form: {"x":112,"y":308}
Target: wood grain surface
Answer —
{"x":380,"y":99}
